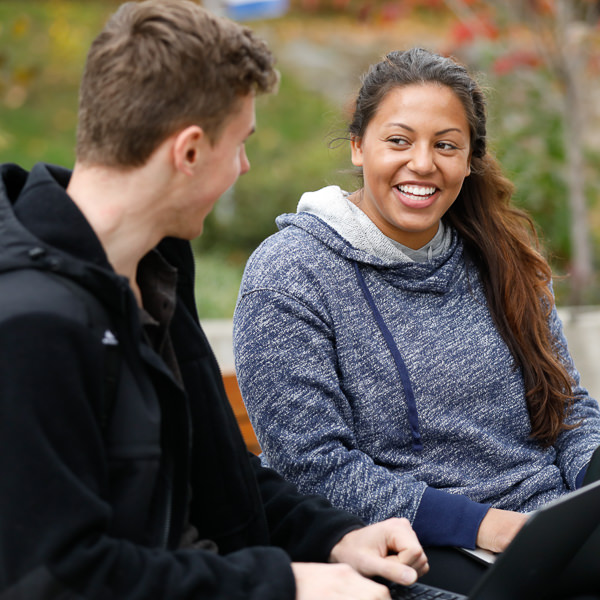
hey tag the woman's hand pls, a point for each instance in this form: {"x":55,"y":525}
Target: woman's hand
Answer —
{"x":498,"y":529}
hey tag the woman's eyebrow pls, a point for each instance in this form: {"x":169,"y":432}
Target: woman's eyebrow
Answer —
{"x":442,"y":132}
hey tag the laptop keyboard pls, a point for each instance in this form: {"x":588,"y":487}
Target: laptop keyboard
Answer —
{"x":418,"y":591}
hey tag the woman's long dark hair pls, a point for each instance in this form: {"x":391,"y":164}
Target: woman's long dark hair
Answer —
{"x":498,"y":238}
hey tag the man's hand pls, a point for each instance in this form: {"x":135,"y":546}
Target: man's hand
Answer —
{"x":318,"y":581}
{"x":388,"y":549}
{"x":498,"y":529}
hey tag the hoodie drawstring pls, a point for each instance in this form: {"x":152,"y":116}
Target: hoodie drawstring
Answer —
{"x":413,"y":417}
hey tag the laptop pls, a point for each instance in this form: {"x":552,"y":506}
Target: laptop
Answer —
{"x":555,"y":555}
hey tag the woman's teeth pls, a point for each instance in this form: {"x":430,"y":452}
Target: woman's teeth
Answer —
{"x":416,"y":190}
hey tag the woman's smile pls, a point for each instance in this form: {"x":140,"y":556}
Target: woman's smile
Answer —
{"x":417,"y":196}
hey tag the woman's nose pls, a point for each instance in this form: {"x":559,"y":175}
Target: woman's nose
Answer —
{"x":421,"y":160}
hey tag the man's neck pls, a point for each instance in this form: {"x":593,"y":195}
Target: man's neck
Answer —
{"x":120,"y":207}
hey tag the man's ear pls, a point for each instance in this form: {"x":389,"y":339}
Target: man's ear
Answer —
{"x":356,"y":148}
{"x":187,"y":148}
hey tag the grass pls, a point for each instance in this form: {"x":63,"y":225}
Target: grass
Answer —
{"x":218,"y":279}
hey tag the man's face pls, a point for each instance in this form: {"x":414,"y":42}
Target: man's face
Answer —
{"x":222,"y":162}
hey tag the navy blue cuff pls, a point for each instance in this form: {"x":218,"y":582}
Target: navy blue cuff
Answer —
{"x":445,"y":519}
{"x":580,"y":477}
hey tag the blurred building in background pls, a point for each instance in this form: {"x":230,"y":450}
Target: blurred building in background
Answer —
{"x":246,"y":10}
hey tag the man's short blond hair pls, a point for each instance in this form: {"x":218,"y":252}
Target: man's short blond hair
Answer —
{"x":159,"y":66}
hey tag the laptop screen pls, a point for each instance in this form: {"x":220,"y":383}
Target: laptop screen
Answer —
{"x":555,"y":548}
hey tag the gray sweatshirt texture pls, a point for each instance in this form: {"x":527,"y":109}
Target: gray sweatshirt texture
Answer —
{"x":331,"y":409}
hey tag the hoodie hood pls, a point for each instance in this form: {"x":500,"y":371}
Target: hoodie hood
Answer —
{"x":329,"y":217}
{"x":42,"y":228}
{"x":331,"y":207}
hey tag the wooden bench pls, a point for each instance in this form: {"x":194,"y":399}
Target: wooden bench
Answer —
{"x":235,"y":399}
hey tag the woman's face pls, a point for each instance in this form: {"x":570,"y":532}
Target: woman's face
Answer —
{"x":415,"y":154}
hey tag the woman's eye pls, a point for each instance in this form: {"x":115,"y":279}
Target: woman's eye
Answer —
{"x":399,"y":141}
{"x":446,"y":146}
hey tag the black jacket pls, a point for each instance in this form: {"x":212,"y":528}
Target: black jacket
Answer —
{"x":97,"y":511}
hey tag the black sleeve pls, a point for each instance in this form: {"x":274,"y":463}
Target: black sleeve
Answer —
{"x":53,"y":517}
{"x":307,"y":527}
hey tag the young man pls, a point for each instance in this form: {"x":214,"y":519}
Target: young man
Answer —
{"x":123,"y":472}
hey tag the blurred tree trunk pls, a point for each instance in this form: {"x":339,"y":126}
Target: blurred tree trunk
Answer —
{"x":561,"y":30}
{"x":573,"y":81}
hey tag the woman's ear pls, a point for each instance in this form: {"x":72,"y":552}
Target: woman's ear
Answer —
{"x":187,"y":148}
{"x":356,"y":149}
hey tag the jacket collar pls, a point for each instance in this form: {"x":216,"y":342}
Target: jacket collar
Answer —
{"x":48,"y":213}
{"x":42,"y":228}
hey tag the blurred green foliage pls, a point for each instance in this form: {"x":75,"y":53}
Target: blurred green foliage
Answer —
{"x":42,"y":51}
{"x":218,"y":276}
{"x":289,"y":155}
{"x":529,"y":145}
{"x":526,"y":129}
{"x":43,"y":45}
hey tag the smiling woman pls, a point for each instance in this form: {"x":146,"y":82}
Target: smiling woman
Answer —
{"x":415,"y":155}
{"x":397,"y":347}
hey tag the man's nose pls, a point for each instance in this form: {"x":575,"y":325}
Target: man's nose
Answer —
{"x":244,"y":162}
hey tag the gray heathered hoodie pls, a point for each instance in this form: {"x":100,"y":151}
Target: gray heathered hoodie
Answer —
{"x":432,"y":426}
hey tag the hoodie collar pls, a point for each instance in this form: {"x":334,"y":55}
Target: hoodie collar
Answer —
{"x":329,"y":226}
{"x":331,"y":204}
